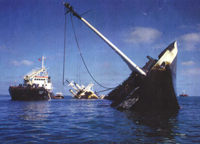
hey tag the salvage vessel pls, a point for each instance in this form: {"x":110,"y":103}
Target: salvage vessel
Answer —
{"x":37,"y":86}
{"x":148,"y":89}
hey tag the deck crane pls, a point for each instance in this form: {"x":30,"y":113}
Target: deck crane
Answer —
{"x":29,"y":78}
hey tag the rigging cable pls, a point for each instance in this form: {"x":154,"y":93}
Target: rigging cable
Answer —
{"x":65,"y":29}
{"x":107,"y":88}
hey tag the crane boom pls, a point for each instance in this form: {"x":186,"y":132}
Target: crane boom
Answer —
{"x":127,"y":60}
{"x":33,"y":73}
{"x":29,"y":76}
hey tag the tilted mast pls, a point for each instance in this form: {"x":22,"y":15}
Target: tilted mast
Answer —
{"x":130,"y":63}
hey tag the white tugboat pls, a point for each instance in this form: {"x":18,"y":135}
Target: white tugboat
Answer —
{"x":37,"y":86}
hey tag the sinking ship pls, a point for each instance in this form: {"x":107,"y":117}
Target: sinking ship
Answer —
{"x":37,"y":86}
{"x":82,"y":92}
{"x":148,"y":89}
{"x":154,"y":91}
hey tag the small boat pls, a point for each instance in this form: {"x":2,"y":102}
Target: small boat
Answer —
{"x":183,"y":95}
{"x":58,"y":95}
{"x":37,"y":86}
{"x":82,"y":92}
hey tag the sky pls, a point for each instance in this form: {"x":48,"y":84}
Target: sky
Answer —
{"x":30,"y":29}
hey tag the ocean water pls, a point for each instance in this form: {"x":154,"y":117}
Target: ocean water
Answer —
{"x":94,"y":121}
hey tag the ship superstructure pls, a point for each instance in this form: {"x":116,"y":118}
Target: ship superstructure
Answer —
{"x":39,"y":78}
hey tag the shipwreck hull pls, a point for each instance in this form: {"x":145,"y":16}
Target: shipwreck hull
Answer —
{"x":28,"y":93}
{"x":150,"y":88}
{"x":154,"y":92}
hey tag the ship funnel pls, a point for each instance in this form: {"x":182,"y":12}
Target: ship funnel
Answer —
{"x":127,"y":60}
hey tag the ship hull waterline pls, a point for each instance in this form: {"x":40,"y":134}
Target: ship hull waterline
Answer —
{"x":29,"y":93}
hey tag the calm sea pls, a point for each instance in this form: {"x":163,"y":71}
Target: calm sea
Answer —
{"x":94,"y":121}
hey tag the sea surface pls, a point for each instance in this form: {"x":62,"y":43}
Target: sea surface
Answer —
{"x":93,"y":121}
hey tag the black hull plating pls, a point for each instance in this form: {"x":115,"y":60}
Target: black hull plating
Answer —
{"x":28,"y":93}
{"x":152,"y":93}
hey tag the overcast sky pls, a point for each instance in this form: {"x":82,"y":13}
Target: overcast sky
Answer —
{"x":32,"y":28}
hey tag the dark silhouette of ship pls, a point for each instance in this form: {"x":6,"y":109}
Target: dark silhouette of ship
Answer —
{"x":147,"y":89}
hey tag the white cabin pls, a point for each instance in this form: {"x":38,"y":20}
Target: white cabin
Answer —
{"x":39,"y":78}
